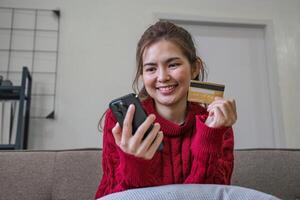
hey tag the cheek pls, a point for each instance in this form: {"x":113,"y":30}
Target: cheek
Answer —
{"x":184,"y":76}
{"x":148,"y":81}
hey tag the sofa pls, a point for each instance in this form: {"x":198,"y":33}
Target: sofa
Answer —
{"x":75,"y":174}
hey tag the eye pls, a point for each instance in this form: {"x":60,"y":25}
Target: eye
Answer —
{"x":149,"y":69}
{"x":174,"y":65}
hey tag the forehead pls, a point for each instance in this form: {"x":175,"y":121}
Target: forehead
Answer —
{"x":162,"y":50}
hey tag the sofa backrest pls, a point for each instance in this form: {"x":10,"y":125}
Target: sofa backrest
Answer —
{"x":49,"y":175}
{"x":273,"y":171}
{"x":75,"y":174}
{"x":26,"y":175}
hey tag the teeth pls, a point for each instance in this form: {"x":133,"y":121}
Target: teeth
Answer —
{"x":166,"y":88}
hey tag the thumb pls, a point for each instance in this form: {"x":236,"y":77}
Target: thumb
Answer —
{"x":117,"y":133}
{"x":218,"y":98}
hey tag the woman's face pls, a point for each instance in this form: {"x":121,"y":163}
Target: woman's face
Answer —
{"x":167,"y":73}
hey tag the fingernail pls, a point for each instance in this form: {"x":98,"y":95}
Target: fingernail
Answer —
{"x":157,"y":124}
{"x":153,"y":116}
{"x":162,"y":134}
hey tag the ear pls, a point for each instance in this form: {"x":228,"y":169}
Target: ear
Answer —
{"x":196,"y":68}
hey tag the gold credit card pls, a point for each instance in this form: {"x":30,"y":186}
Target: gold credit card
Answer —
{"x":204,"y":92}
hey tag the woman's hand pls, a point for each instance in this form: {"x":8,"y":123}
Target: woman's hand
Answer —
{"x":134,"y":144}
{"x":222,"y":113}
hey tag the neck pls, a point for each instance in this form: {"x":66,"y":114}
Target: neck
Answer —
{"x":174,"y":113}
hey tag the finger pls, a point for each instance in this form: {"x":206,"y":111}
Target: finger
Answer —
{"x":223,"y":119}
{"x":218,"y":119}
{"x":228,"y":113}
{"x":231,"y":104}
{"x":153,"y":148}
{"x":117,"y":133}
{"x":127,"y":124}
{"x":220,"y":103}
{"x":232,"y":111}
{"x":210,"y":112}
{"x":218,"y":100}
{"x":142,"y":129}
{"x":215,"y":104}
{"x":234,"y":107}
{"x":149,"y":139}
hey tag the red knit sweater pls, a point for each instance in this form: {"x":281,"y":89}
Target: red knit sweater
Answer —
{"x":192,"y":153}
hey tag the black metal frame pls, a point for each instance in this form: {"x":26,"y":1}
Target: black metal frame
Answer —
{"x":23,"y":95}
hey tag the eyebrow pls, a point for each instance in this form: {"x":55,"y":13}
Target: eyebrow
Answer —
{"x":149,"y":63}
{"x":166,"y":61}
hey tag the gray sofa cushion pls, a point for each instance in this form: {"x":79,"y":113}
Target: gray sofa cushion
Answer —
{"x":190,"y":192}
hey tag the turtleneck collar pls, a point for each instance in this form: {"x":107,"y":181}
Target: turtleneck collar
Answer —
{"x":172,"y":129}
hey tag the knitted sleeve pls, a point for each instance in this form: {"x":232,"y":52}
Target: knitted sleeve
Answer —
{"x":212,"y":152}
{"x":122,"y":171}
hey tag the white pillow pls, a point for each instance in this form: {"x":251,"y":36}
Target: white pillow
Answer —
{"x":190,"y":192}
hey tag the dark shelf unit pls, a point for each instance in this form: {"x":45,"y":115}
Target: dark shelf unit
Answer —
{"x":22,"y":94}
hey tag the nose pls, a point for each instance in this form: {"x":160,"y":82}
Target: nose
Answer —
{"x":163,"y":75}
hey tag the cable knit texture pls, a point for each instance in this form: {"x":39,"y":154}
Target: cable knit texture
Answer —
{"x":192,"y":153}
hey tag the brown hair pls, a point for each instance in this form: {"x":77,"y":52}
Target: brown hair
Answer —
{"x":164,"y":30}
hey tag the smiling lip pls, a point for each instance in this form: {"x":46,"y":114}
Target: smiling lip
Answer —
{"x":166,"y":89}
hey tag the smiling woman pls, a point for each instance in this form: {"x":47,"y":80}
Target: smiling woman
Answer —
{"x":198,"y":142}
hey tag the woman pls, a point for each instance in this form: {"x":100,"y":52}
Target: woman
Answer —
{"x":197,"y":141}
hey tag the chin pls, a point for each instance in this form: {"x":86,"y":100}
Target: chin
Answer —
{"x":167,"y":101}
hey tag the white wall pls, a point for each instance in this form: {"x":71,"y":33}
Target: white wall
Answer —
{"x":97,"y":58}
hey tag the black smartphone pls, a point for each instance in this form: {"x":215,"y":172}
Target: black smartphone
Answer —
{"x":120,"y":106}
